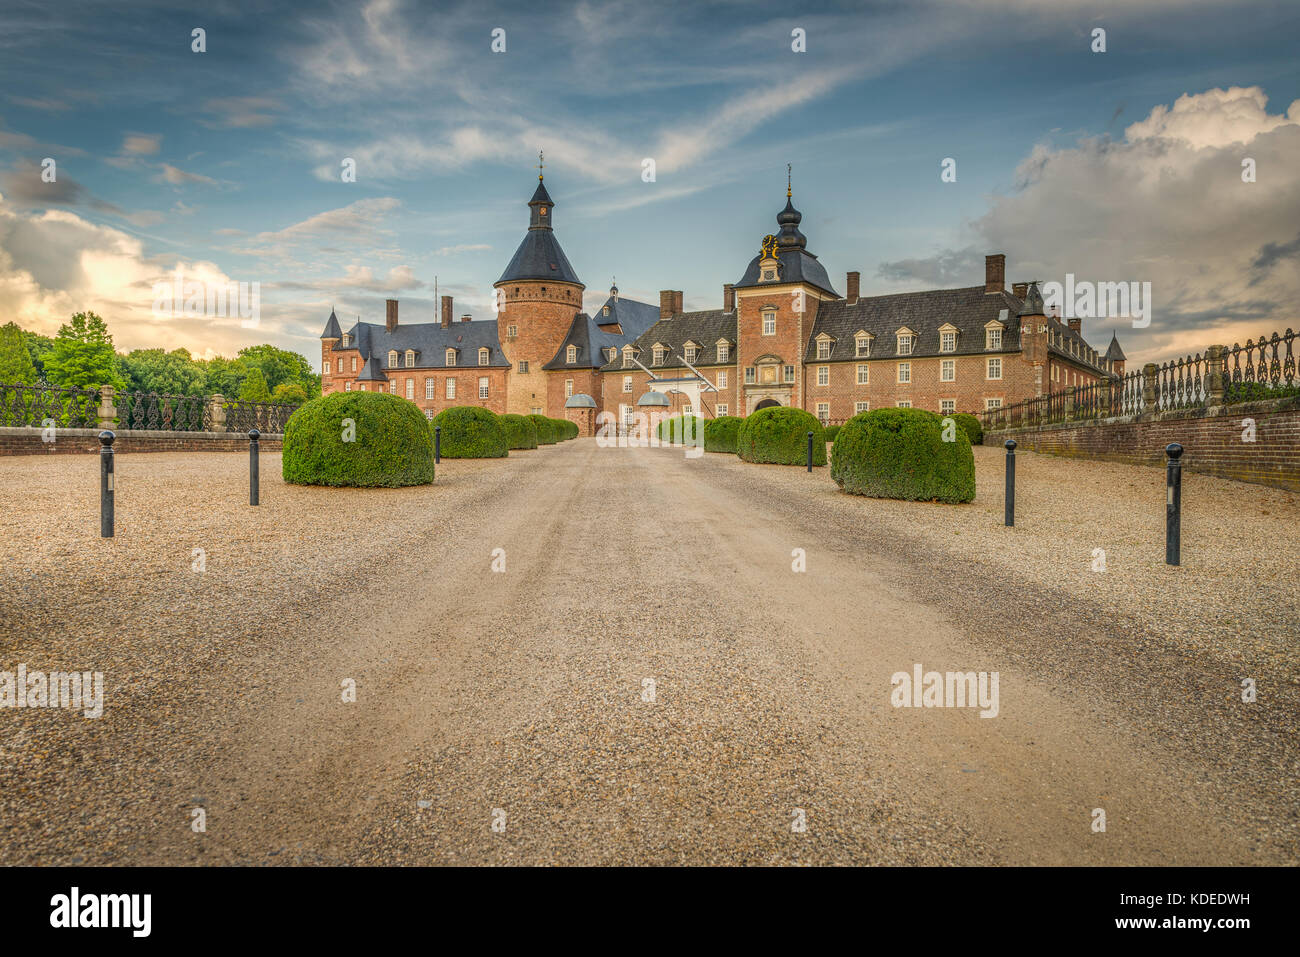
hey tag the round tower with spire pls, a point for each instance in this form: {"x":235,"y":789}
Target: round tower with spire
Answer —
{"x":537,"y":298}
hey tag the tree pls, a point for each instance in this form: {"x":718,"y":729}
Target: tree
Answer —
{"x":170,"y":373}
{"x":277,"y":365}
{"x":16,"y":366}
{"x":289,"y":392}
{"x":254,"y":388}
{"x":83,"y":356}
{"x":223,"y":376}
{"x":38,"y":347}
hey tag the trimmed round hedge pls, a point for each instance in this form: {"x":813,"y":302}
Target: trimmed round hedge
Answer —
{"x":388,"y":442}
{"x":720,"y":433}
{"x":779,"y":435}
{"x":970,"y":424}
{"x":545,"y":429}
{"x":565,"y":430}
{"x":675,"y":429}
{"x":831,"y":431}
{"x":520,"y":431}
{"x":900,"y":453}
{"x":471,"y":432}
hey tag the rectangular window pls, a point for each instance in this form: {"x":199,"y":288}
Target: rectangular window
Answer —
{"x":658,"y":356}
{"x":722,"y":408}
{"x":410,"y":388}
{"x":904,"y":345}
{"x":347,"y":386}
{"x":789,"y":373}
{"x":627,"y":383}
{"x":354,"y":363}
{"x":392,"y":387}
{"x":724,"y":352}
{"x":824,"y":412}
{"x":340,"y":363}
{"x":993,"y":339}
{"x":568,"y":388}
{"x":947,"y":342}
{"x":823,"y":349}
{"x":992,"y":403}
{"x":861,"y":407}
{"x":823,"y":375}
{"x":512,"y":331}
{"x":948,"y":406}
{"x":995,"y":368}
{"x":903,"y":404}
{"x":864,"y":374}
{"x":687,"y":410}
{"x":523,"y":367}
{"x":749,"y":375}
{"x":629,"y":415}
{"x":689,"y":352}
{"x":429,"y":386}
{"x":948,"y":370}
{"x":769,"y":323}
{"x":451,"y":388}
{"x":722,"y":379}
{"x":905,"y":372}
{"x":483,"y":387}
{"x":864,"y":347}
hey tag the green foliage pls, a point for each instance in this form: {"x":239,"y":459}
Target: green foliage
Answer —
{"x":678,"y":429}
{"x":289,"y":392}
{"x":970,"y":424}
{"x":779,"y":435}
{"x":83,"y":356}
{"x":392,"y":444}
{"x":278,"y":366}
{"x":565,"y":430}
{"x":520,"y":431}
{"x":16,"y":365}
{"x":831,"y":431}
{"x":254,"y":388}
{"x":223,"y":376}
{"x":38,"y":347}
{"x":545,"y":429}
{"x":167,"y":373}
{"x":471,"y":432}
{"x":720,"y":433}
{"x":900,"y":453}
{"x":1257,"y":391}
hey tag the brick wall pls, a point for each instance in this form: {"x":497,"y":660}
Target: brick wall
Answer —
{"x":541,"y":314}
{"x":1211,"y":437}
{"x":27,"y":441}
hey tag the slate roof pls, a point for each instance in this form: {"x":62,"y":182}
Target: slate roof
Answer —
{"x":370,"y":372}
{"x":430,"y":342}
{"x":703,"y":328}
{"x":594,"y":337}
{"x":539,"y":256}
{"x":923,"y":312}
{"x":1113,"y":351}
{"x":797,"y":265}
{"x":332,"y":330}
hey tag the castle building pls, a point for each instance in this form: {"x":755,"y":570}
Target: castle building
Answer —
{"x":784,"y":336}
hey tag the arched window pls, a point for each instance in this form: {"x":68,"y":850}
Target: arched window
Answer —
{"x":484,"y":356}
{"x":571,"y":354}
{"x":451,"y":357}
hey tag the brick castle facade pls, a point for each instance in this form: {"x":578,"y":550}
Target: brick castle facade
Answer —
{"x":783,"y":336}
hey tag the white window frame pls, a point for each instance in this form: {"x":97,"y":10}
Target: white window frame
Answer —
{"x":410,"y":358}
{"x":864,"y":374}
{"x":993,"y":403}
{"x":347,"y":386}
{"x":769,"y":322}
{"x":484,"y":355}
{"x":905,"y":372}
{"x":903,"y":404}
{"x":392,"y":359}
{"x":789,"y":374}
{"x":992,"y":339}
{"x":568,"y":388}
{"x":823,"y":349}
{"x":751,"y":375}
{"x":947,"y":341}
{"x":430,"y":388}
{"x":450,"y":390}
{"x":724,"y":352}
{"x":823,"y":375}
{"x":627,"y":383}
{"x":451,"y":358}
{"x":571,"y":354}
{"x":690,"y":352}
{"x":722,"y":379}
{"x":861,"y":407}
{"x":994,"y":363}
{"x":722,"y":408}
{"x":410,"y":389}
{"x":484,"y":386}
{"x":947,"y":370}
{"x":947,"y":406}
{"x":906,"y":343}
{"x":354,"y":363}
{"x":824,"y":412}
{"x":658,"y":357}
{"x":862,"y":347}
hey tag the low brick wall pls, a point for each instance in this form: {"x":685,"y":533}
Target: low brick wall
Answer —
{"x":1211,"y":437}
{"x":27,"y":441}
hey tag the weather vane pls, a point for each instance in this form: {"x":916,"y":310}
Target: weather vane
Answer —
{"x":540,"y":163}
{"x":787,"y":180}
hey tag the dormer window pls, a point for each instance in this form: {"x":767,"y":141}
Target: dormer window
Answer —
{"x":992,"y":339}
{"x":347,"y":340}
{"x":627,"y":357}
{"x":571,"y":354}
{"x":612,"y":353}
{"x":690,"y":351}
{"x":862,"y":345}
{"x":659,"y":355}
{"x":905,"y":340}
{"x":484,"y":356}
{"x":606,"y":310}
{"x":451,"y":357}
{"x":823,"y":348}
{"x":724,"y":352}
{"x":948,"y":340}
{"x":392,"y":358}
{"x":410,"y":358}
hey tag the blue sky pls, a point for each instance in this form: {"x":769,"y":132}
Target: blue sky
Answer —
{"x":227,"y":162}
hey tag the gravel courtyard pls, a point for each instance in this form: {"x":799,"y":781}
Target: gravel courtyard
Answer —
{"x":520,"y":697}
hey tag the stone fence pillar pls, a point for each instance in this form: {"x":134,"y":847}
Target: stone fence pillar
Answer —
{"x":107,"y":410}
{"x":218,"y":413}
{"x":1150,"y":383}
{"x":1215,"y":383}
{"x":1069,"y":402}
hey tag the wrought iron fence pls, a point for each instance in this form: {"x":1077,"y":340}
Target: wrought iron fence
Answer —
{"x":243,"y":415}
{"x":167,"y":413}
{"x":38,"y":405}
{"x":1181,"y":384}
{"x":1263,"y":368}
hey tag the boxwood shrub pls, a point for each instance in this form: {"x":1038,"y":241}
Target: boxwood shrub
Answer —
{"x":779,"y":435}
{"x":545,"y":429}
{"x":565,"y":430}
{"x":970,"y":424}
{"x":831,"y":431}
{"x":389,"y":442}
{"x":676,"y":429}
{"x":720,"y":433}
{"x":900,"y":453}
{"x":471,"y":432}
{"x":520,"y":431}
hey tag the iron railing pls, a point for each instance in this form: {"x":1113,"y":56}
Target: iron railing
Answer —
{"x":1263,"y":368}
{"x":269,"y":417}
{"x":167,"y":413}
{"x":40,"y":405}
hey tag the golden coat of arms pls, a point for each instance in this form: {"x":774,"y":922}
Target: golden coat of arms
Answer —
{"x":769,"y":247}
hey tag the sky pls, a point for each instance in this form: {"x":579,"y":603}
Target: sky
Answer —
{"x":226,"y":164}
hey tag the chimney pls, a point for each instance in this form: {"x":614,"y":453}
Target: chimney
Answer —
{"x":1020,"y":289}
{"x":1075,"y":323}
{"x":728,"y":297}
{"x":390,"y":319}
{"x":995,"y":273}
{"x":852,"y":282}
{"x":677,"y":302}
{"x":446,"y":312}
{"x":666,"y":303}
{"x":466,"y":318}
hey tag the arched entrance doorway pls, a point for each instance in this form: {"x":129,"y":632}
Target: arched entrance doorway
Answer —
{"x":766,"y":404}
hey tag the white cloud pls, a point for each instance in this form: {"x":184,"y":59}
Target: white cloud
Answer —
{"x":141,"y":144}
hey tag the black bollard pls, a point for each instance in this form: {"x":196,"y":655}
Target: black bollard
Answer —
{"x":1173,"y":504}
{"x":106,"y":484}
{"x":253,"y":436}
{"x":1009,"y":518}
{"x":437,"y":444}
{"x":810,"y":440}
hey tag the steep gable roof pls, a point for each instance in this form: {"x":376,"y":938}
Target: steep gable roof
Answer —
{"x":704,"y":327}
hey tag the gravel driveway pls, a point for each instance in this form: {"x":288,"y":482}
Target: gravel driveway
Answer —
{"x":520,"y":698}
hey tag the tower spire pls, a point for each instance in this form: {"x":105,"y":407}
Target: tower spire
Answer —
{"x":787,"y":180}
{"x":540,"y":164}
